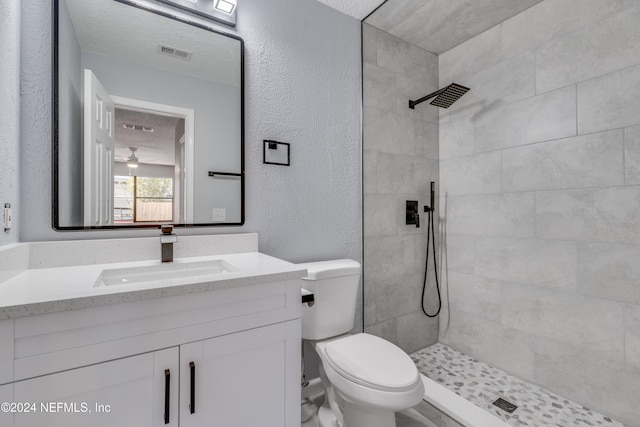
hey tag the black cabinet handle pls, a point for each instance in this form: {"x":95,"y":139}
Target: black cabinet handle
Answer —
{"x":167,"y":388}
{"x":192,"y":405}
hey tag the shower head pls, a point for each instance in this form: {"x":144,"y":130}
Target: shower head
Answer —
{"x":444,"y":97}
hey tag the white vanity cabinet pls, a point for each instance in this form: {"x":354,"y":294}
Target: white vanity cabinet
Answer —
{"x":239,"y":379}
{"x":124,"y":392}
{"x":234,"y":353}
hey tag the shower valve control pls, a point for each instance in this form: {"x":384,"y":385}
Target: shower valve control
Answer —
{"x":413,"y":218}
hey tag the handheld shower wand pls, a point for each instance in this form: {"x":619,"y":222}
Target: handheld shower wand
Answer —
{"x":430,"y":231}
{"x":433,"y":196}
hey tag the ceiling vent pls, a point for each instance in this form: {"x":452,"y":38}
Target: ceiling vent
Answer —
{"x":176,"y":53}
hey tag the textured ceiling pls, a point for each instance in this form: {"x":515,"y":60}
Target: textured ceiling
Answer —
{"x":117,"y":30}
{"x":157,"y":147}
{"x":434,"y":25}
{"x":356,"y":8}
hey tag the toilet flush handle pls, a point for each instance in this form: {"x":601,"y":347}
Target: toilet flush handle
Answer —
{"x":307,"y":297}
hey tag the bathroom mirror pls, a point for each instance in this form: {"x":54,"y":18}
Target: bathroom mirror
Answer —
{"x":147,"y":116}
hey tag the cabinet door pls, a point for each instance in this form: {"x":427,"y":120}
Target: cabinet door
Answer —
{"x":6,"y":396}
{"x":239,"y":379}
{"x":124,"y":392}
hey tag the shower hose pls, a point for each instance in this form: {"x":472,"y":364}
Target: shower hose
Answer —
{"x":431,"y":236}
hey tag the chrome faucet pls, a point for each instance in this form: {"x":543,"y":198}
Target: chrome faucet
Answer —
{"x":167,"y":239}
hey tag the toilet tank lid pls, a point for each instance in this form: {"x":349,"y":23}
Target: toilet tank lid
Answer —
{"x":333,"y":268}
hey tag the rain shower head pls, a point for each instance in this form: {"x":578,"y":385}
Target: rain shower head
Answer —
{"x":444,"y":97}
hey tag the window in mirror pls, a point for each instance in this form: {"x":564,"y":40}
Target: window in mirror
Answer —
{"x":139,"y":199}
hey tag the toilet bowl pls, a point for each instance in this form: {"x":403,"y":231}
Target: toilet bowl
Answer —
{"x":366,"y":378}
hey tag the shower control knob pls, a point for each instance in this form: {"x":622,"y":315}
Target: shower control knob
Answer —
{"x":411,"y":212}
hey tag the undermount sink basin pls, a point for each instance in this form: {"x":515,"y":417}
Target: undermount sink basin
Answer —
{"x":166,"y":271}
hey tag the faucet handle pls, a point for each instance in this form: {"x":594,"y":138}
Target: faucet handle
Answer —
{"x":166,"y":229}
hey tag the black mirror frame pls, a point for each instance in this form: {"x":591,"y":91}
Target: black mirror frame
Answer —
{"x":55,"y":130}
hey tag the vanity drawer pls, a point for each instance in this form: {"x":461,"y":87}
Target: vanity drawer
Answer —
{"x":54,"y":342}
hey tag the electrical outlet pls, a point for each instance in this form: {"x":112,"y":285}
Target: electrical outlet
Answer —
{"x":7,"y":217}
{"x":219,"y":214}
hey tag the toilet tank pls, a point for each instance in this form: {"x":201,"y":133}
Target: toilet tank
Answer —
{"x":335,"y":288}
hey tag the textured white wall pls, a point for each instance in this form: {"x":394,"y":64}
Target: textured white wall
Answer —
{"x":9,"y":110}
{"x":303,"y":86}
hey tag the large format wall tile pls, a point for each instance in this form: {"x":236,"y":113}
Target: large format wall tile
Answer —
{"x":382,"y":215}
{"x":594,"y":160}
{"x":416,"y":331}
{"x":632,"y":155}
{"x":370,"y":44}
{"x":400,"y":159}
{"x":426,"y":139}
{"x":599,"y":49}
{"x":459,"y":253}
{"x":505,"y":82}
{"x":388,"y":257}
{"x":396,"y":174}
{"x":475,"y":295}
{"x":379,"y":88}
{"x":550,"y":20}
{"x":420,"y":245}
{"x":386,"y":329}
{"x":545,"y":263}
{"x":396,"y":296}
{"x":391,"y":14}
{"x":610,"y":272}
{"x":592,"y":378}
{"x":605,"y":215}
{"x":389,"y":132}
{"x":588,"y":322}
{"x":492,"y":342}
{"x":478,"y":53}
{"x":456,"y":138}
{"x":553,"y":112}
{"x":479,"y":173}
{"x":506,"y":214}
{"x":632,"y":336}
{"x":610,"y":101}
{"x":406,"y":59}
{"x":400,"y":174}
{"x":370,"y":171}
{"x":536,"y":119}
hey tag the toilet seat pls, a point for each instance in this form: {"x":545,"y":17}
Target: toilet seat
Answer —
{"x":372,"y":362}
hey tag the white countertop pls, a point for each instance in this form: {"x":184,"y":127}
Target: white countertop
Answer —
{"x":47,"y":290}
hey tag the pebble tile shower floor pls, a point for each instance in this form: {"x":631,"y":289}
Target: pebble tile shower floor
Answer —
{"x":482,"y":384}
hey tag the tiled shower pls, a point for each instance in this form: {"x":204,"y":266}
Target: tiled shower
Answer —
{"x":400,"y":160}
{"x":538,"y":177}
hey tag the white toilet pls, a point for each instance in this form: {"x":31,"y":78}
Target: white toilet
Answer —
{"x":366,"y":379}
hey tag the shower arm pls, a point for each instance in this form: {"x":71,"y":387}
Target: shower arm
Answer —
{"x":412,"y":104}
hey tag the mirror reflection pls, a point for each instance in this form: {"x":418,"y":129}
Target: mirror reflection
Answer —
{"x":147,"y":107}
